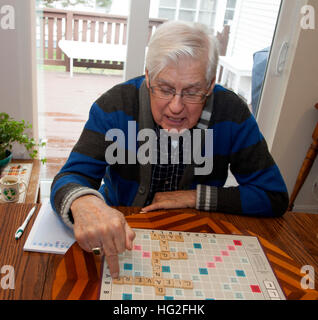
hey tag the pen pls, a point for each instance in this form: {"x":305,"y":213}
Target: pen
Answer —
{"x":20,"y":230}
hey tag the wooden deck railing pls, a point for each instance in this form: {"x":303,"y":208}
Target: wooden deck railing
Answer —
{"x":54,"y":25}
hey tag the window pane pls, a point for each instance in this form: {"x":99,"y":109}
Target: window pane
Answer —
{"x":231,"y":4}
{"x":168,"y":3}
{"x":59,"y":124}
{"x":208,"y":5}
{"x":186,"y":15}
{"x":252,"y":32}
{"x":206,"y":18}
{"x":188,"y":4}
{"x":229,"y":14}
{"x":167,"y":13}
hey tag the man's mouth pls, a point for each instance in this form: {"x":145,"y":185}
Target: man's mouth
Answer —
{"x":175,"y":120}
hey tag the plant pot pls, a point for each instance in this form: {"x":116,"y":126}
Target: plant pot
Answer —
{"x":6,"y":160}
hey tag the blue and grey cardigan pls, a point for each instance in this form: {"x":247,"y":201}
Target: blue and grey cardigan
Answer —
{"x":238,"y":145}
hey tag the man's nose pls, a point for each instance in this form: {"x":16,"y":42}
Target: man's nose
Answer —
{"x":176,"y":104}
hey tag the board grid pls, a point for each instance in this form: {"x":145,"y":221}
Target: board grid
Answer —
{"x":173,"y":265}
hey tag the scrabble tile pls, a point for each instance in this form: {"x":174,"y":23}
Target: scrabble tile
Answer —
{"x":178,"y":238}
{"x":154,"y":236}
{"x":155,"y":261}
{"x":168,"y":283}
{"x":156,"y":267}
{"x":160,"y":291}
{"x":157,"y":274}
{"x":187,"y":284}
{"x":162,"y":237}
{"x":174,"y":255}
{"x":155,"y":254}
{"x":138,"y":280}
{"x":128,"y":280}
{"x":119,"y":280}
{"x":165,"y":255}
{"x":182,"y":255}
{"x":158,"y":282}
{"x":148,"y":281}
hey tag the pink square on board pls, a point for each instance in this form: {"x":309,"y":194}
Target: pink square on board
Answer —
{"x":146,"y":254}
{"x":210,"y":264}
{"x":256,"y":289}
{"x":231,"y":248}
{"x":137,"y":247}
{"x":224,"y":253}
{"x":218,"y":259}
{"x":237,"y":242}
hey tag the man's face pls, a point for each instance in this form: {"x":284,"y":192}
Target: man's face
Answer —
{"x":187,"y":76}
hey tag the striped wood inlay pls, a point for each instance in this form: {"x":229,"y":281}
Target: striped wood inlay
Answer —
{"x":78,"y":274}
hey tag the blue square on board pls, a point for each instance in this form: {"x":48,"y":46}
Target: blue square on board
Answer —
{"x":197,"y":246}
{"x":168,"y":298}
{"x":240,"y":273}
{"x":128,"y":266}
{"x":203,"y":270}
{"x":165,"y":269}
{"x":127,"y":296}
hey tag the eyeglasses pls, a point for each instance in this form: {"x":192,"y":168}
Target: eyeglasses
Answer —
{"x":168,"y":94}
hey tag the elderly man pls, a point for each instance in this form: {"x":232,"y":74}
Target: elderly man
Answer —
{"x":178,"y":93}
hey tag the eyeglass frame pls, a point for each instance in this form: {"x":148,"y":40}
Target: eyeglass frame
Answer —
{"x":181,"y":94}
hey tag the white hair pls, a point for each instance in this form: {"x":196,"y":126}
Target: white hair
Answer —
{"x":174,"y":40}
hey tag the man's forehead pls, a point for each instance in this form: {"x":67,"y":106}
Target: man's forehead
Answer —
{"x":170,"y":83}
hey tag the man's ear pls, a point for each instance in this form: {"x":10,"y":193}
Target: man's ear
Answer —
{"x":211,"y":86}
{"x":147,"y":78}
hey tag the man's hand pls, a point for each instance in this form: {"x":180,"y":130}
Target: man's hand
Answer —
{"x":172,"y":200}
{"x":98,"y":225}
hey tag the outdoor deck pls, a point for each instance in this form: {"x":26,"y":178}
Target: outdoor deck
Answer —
{"x":64,"y":105}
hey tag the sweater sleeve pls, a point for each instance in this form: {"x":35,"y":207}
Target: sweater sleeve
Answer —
{"x":261,"y":190}
{"x":83,"y":171}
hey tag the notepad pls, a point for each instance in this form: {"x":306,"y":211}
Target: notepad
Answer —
{"x":49,"y":234}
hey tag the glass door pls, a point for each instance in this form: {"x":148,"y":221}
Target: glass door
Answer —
{"x":245,"y":30}
{"x":81,"y":52}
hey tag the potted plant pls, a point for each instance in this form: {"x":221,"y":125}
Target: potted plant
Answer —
{"x":14,"y":131}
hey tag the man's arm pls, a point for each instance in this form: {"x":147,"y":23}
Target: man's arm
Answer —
{"x":261,"y":190}
{"x":75,"y":196}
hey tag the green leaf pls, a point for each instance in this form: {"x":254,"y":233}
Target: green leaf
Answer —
{"x":14,"y":131}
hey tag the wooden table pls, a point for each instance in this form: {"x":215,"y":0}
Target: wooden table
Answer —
{"x":290,"y":242}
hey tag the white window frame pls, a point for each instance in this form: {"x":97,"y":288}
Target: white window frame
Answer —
{"x":274,"y":87}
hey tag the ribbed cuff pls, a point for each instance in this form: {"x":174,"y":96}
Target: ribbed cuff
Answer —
{"x":206,"y":198}
{"x":70,"y":197}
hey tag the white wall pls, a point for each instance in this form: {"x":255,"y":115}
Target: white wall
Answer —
{"x":298,"y":117}
{"x":17,"y":66}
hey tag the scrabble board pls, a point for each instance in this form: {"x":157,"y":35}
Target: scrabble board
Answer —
{"x":172,"y":265}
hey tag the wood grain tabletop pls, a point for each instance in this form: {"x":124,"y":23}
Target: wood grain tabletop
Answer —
{"x":290,"y":242}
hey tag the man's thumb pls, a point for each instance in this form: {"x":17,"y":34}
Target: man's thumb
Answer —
{"x":130,"y":236}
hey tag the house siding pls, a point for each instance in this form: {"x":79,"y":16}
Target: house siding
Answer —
{"x":256,"y":21}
